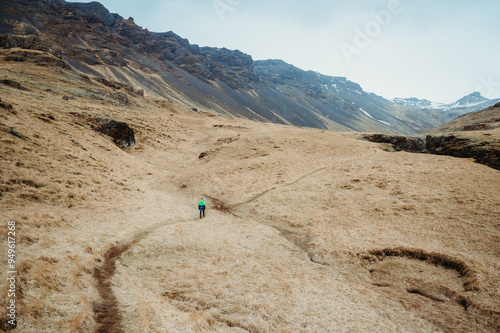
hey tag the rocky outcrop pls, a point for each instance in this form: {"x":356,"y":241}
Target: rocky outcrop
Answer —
{"x":279,"y":72}
{"x":233,"y":67}
{"x":121,"y":133}
{"x":399,"y":143}
{"x":29,"y":42}
{"x":120,"y":86}
{"x":478,"y":127}
{"x":13,"y":84}
{"x":120,"y":97}
{"x":39,"y":58}
{"x":484,"y":152}
{"x":89,"y":33}
{"x":6,"y":106}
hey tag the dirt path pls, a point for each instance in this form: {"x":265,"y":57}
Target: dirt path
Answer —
{"x":257,"y":196}
{"x":107,"y":313}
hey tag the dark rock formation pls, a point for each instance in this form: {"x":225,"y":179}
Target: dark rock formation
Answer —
{"x":13,"y":84}
{"x":483,"y":152}
{"x":112,"y":40}
{"x":121,"y":132}
{"x":12,"y":131}
{"x":24,"y":42}
{"x":122,"y":98}
{"x":478,"y":127}
{"x":279,"y":72}
{"x":120,"y":86}
{"x":6,"y":106}
{"x":233,"y":67}
{"x":399,"y":143}
{"x":39,"y":58}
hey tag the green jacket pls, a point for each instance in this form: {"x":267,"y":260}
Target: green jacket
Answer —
{"x":201,"y":203}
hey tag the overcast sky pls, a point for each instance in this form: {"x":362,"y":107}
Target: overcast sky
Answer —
{"x":438,"y":50}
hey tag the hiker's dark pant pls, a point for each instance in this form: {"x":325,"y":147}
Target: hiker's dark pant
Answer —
{"x":202,"y":210}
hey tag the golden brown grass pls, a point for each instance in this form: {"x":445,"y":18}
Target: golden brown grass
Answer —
{"x":314,"y":231}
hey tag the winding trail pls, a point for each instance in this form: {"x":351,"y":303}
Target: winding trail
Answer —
{"x":257,"y":196}
{"x":107,"y":313}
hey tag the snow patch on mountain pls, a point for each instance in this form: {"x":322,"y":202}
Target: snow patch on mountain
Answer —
{"x":370,"y":116}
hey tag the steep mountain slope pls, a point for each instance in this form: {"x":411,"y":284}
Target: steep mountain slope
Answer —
{"x":99,"y":43}
{"x":335,"y":98}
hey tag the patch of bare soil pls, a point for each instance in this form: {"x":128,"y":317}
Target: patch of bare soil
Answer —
{"x":108,"y":317}
{"x":107,"y":312}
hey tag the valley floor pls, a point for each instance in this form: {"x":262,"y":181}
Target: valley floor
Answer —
{"x":306,"y":230}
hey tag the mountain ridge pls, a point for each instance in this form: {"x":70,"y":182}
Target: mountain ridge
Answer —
{"x":470,"y":103}
{"x":98,"y":43}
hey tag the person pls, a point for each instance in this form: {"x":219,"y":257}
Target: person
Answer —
{"x":201,"y":207}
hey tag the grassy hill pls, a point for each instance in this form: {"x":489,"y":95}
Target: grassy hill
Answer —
{"x":487,"y":119}
{"x":306,"y":230}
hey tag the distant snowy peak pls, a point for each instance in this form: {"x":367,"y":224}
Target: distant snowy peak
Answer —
{"x":413,"y":102}
{"x":472,"y":102}
{"x":472,"y":99}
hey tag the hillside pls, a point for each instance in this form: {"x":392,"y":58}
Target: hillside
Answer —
{"x":474,"y":135}
{"x":306,"y":230}
{"x":487,"y":119}
{"x":98,"y":43}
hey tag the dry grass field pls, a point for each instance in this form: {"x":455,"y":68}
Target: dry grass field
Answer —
{"x":306,"y":230}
